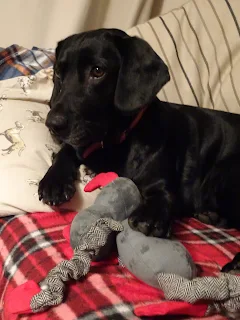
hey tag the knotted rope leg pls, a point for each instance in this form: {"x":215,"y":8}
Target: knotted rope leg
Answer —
{"x":223,"y":291}
{"x":53,"y":286}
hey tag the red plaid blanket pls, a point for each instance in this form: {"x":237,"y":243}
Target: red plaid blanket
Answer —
{"x":32,"y":244}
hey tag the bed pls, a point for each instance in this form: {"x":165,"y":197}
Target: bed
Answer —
{"x":200,"y":44}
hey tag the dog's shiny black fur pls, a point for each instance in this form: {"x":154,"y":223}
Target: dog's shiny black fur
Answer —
{"x":183,"y":159}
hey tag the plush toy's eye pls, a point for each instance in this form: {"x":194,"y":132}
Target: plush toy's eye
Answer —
{"x":97,"y":72}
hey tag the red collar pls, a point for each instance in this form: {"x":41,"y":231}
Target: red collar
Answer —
{"x":100,"y":145}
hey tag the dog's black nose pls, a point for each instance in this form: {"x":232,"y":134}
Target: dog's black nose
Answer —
{"x":56,"y":122}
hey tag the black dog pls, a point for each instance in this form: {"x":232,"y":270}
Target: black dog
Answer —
{"x":183,"y":159}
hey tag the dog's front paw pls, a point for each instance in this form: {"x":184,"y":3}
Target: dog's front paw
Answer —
{"x":142,"y":221}
{"x":57,"y":187}
{"x":211,"y":218}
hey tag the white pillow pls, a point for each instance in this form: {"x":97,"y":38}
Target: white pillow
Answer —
{"x":26,"y":146}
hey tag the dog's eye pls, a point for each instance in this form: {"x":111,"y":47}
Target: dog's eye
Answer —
{"x":97,"y":72}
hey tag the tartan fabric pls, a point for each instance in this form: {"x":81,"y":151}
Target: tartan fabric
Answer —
{"x":18,"y":61}
{"x":77,"y":267}
{"x":31,"y":245}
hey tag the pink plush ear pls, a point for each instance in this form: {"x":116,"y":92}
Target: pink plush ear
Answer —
{"x":100,"y":180}
{"x":171,"y":308}
{"x":18,"y":300}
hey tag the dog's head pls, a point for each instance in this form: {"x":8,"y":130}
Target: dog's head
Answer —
{"x":99,"y":76}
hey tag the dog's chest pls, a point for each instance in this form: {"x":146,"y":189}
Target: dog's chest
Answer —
{"x":140,"y":161}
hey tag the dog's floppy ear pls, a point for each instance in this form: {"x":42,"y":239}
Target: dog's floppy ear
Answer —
{"x":142,"y":74}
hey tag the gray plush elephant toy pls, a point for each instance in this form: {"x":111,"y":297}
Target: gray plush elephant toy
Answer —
{"x":117,"y":201}
{"x":93,"y":236}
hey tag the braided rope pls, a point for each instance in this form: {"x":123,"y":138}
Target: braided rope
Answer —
{"x":233,"y":303}
{"x":223,"y":290}
{"x":53,"y":287}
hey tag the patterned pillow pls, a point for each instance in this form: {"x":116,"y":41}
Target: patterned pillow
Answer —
{"x":26,"y":145}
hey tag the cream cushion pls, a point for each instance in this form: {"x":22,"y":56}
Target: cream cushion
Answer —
{"x":26,"y":146}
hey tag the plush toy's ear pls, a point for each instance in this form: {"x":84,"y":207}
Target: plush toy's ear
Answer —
{"x":141,"y":76}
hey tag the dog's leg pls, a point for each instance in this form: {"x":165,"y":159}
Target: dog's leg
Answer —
{"x":8,"y":150}
{"x":228,"y":191}
{"x":155,"y":216}
{"x":229,"y":203}
{"x":58,"y":184}
{"x":20,"y":151}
